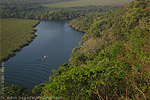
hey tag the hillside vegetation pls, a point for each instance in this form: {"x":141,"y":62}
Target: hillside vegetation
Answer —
{"x":80,"y":3}
{"x":113,"y":61}
{"x":15,"y":33}
{"x":33,"y":9}
{"x":28,"y":9}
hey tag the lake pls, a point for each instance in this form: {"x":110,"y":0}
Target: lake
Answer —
{"x":28,"y":68}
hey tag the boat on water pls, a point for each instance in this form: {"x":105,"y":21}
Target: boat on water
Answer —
{"x":45,"y":57}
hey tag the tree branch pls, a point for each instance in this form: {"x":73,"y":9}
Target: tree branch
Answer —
{"x":140,"y":92}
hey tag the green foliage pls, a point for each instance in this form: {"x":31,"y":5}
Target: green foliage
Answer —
{"x":38,"y":89}
{"x":113,"y":61}
{"x":15,"y":91}
{"x":14,"y":34}
{"x":33,"y":9}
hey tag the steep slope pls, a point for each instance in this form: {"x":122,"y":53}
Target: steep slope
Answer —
{"x":113,"y":61}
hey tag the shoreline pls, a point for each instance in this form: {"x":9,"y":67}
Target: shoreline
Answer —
{"x":32,"y":38}
{"x":72,"y":26}
{"x":23,"y":45}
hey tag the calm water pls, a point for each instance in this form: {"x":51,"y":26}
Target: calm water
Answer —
{"x":54,"y":39}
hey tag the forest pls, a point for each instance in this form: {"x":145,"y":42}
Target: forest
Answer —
{"x":34,"y":9}
{"x":112,"y":62}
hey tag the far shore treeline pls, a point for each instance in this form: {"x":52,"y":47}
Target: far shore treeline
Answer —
{"x":35,"y":9}
{"x":111,"y":64}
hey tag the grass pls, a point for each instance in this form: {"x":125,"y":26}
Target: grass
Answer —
{"x":88,"y":3}
{"x":1,"y":70}
{"x":15,"y":33}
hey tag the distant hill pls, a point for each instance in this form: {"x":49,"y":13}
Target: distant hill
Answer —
{"x":88,"y":3}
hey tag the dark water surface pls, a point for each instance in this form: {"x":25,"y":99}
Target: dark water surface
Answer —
{"x":54,"y":39}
